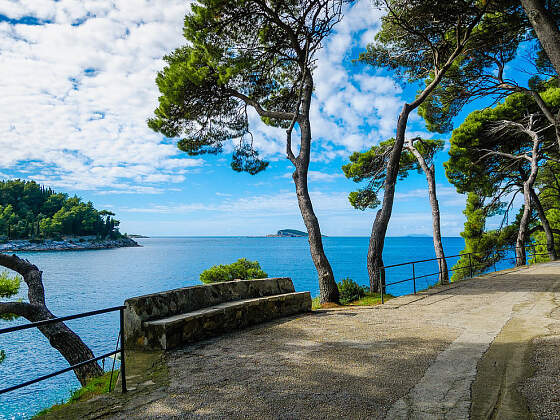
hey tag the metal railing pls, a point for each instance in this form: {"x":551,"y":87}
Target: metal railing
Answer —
{"x":469,"y":267}
{"x":118,"y":350}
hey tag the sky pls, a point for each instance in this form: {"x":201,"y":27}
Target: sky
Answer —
{"x":77,"y":82}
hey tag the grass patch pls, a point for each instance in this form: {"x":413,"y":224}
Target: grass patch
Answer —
{"x":96,"y":386}
{"x":315,"y":303}
{"x":369,"y":299}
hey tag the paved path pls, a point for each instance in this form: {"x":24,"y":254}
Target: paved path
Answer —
{"x":521,"y":314}
{"x":469,"y":350}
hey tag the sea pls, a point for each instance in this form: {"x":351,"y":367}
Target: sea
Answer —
{"x":80,"y":281}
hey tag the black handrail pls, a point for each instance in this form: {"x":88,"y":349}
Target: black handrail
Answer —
{"x":470,"y":266}
{"x":95,"y":359}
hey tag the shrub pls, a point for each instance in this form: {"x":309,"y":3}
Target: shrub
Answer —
{"x":350,"y":291}
{"x":242,"y":269}
{"x":9,"y":285}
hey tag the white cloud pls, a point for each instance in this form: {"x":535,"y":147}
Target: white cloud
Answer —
{"x":447,"y":196}
{"x":77,"y":91}
{"x":270,"y":204}
{"x":75,"y":98}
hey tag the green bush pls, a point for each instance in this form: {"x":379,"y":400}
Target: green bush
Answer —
{"x":242,"y":269}
{"x":9,"y":285}
{"x":350,"y":291}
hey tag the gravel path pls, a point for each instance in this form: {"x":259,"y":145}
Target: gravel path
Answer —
{"x":415,"y":357}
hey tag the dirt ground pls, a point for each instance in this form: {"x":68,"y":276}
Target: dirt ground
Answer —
{"x":481,"y":348}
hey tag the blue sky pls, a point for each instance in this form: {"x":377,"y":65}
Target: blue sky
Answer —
{"x":78,"y":85}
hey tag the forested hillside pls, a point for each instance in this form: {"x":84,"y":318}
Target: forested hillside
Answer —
{"x":31,"y":211}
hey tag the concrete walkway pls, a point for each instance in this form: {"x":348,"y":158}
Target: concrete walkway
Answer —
{"x":481,"y":348}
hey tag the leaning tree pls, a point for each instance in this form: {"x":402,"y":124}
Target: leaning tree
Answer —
{"x":420,"y":40}
{"x":62,"y":338}
{"x":249,"y":55}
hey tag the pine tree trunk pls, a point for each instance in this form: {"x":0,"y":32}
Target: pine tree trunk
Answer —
{"x":436,"y":226}
{"x":545,"y":27}
{"x":520,"y":258}
{"x":379,"y":230}
{"x":328,"y":288}
{"x":527,"y":188}
{"x":62,"y":338}
{"x":434,"y":204}
{"x":546,"y":226}
{"x":375,"y":268}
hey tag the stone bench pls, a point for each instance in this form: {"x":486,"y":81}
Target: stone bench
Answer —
{"x":168,"y":319}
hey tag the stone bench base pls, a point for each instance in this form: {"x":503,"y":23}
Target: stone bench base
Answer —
{"x":167,"y":333}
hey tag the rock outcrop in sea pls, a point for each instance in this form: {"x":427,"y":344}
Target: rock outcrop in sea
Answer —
{"x":66,"y":244}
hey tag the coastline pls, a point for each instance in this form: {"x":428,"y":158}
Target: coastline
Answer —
{"x":68,"y":244}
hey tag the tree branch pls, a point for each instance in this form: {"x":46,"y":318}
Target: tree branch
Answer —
{"x":279,"y":115}
{"x":508,"y":155}
{"x":23,"y":309}
{"x":32,"y":276}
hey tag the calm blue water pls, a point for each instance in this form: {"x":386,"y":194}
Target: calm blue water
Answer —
{"x":79,"y":281}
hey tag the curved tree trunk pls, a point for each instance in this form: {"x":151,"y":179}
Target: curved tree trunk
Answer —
{"x":434,"y":204}
{"x":520,"y":258}
{"x":327,"y":285}
{"x":546,"y":226}
{"x":62,"y":338}
{"x":375,"y":268}
{"x":379,"y":229}
{"x":328,"y":289}
{"x":527,"y":188}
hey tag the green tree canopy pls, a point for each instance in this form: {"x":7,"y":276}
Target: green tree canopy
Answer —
{"x":492,"y":164}
{"x":371,"y":166}
{"x":483,"y":248}
{"x":28,"y":210}
{"x":239,"y":54}
{"x":480,"y":71}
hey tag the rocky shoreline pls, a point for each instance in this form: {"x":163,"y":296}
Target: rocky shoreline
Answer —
{"x":67,"y":244}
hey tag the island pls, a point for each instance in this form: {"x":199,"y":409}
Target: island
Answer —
{"x":289,"y":233}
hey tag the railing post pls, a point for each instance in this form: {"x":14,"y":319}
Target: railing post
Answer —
{"x":123,"y":366}
{"x":413,"y":278}
{"x":382,"y":287}
{"x":470,"y":264}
